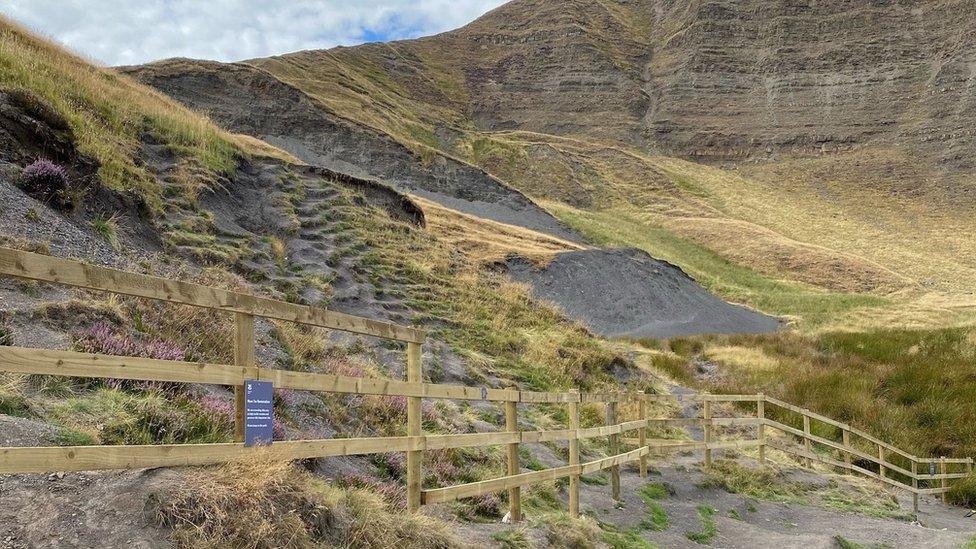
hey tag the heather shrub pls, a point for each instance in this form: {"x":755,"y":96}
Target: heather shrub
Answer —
{"x":103,"y":338}
{"x":221,"y":412}
{"x":46,"y":181}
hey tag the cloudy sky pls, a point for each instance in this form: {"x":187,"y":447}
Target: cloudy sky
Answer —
{"x":122,"y":32}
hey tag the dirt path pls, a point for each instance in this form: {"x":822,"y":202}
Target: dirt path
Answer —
{"x":744,"y":522}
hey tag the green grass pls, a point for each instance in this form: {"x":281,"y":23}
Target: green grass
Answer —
{"x":617,"y":538}
{"x":514,"y":538}
{"x":732,"y":281}
{"x":757,"y":483}
{"x":121,"y":417}
{"x":109,"y":229}
{"x":971,"y":544}
{"x":708,"y":530}
{"x":844,"y":543}
{"x":658,"y":518}
{"x":912,"y":388}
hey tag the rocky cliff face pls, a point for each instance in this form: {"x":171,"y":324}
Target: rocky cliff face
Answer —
{"x":723,"y":80}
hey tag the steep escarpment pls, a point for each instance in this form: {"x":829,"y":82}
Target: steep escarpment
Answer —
{"x":249,"y":100}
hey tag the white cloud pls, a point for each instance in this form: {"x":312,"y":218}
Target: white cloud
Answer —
{"x":133,"y":31}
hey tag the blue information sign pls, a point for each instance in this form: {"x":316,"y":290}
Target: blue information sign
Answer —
{"x":258,"y":412}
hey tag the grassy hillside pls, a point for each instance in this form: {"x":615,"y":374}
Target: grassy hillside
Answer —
{"x":859,"y":235}
{"x":112,"y":116}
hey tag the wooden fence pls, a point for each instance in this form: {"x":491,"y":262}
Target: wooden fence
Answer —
{"x":893,"y":466}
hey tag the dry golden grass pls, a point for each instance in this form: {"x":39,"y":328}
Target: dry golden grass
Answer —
{"x":485,"y":241}
{"x":748,"y":358}
{"x":262,"y":504}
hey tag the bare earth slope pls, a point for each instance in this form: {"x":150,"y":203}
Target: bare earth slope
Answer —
{"x":626,"y":292}
{"x":248,"y":100}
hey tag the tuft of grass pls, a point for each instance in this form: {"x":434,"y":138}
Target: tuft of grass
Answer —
{"x":109,"y":228}
{"x":708,"y":530}
{"x":114,"y":416}
{"x":13,"y":397}
{"x":845,"y":543}
{"x":762,"y":483}
{"x":652,"y":494}
{"x":617,"y":538}
{"x":565,"y":532}
{"x":513,"y":538}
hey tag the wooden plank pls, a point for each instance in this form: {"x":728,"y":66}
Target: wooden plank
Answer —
{"x":537,"y":397}
{"x":642,"y":437}
{"x":547,"y":436}
{"x":941,"y":476}
{"x":680,"y":421}
{"x":73,"y":273}
{"x":761,"y":432}
{"x":846,"y":450}
{"x":914,"y":485}
{"x":730,"y":398}
{"x":945,"y":487}
{"x":725,"y":444}
{"x":472,"y":489}
{"x":610,"y":462}
{"x":614,"y":441}
{"x":574,"y":460}
{"x":735,"y":421}
{"x":806,"y":438}
{"x":243,"y":358}
{"x":512,"y":469}
{"x":415,"y":458}
{"x":468,"y":440}
{"x":707,"y":416}
{"x":50,"y":459}
{"x":74,"y":364}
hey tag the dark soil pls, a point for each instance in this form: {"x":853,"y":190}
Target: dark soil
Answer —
{"x":625,"y":292}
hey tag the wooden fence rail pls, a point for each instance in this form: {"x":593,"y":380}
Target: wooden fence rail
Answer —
{"x":852,"y":455}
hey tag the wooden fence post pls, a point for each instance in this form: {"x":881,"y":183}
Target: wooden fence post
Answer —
{"x":806,"y":439}
{"x":761,"y":415}
{"x":915,"y":485}
{"x":945,"y":484}
{"x":846,"y":434}
{"x":515,"y":493}
{"x":574,"y":458}
{"x":243,"y":356}
{"x":642,"y":435}
{"x":614,"y":450}
{"x":415,"y":458}
{"x":707,"y":416}
{"x":881,"y":468}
